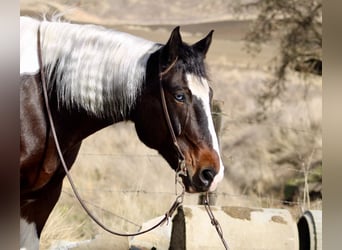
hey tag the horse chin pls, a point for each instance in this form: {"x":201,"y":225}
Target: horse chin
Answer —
{"x":187,"y":183}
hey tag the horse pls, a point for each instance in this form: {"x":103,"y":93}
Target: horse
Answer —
{"x":95,"y":77}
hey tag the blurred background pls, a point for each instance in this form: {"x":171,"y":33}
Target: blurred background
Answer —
{"x":265,"y":66}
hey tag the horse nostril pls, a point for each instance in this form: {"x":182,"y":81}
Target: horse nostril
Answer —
{"x":207,"y":176}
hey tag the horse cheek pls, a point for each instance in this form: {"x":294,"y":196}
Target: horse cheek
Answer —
{"x":147,"y":123}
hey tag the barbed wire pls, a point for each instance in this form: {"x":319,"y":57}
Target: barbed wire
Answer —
{"x":104,"y":210}
{"x":252,"y":199}
{"x":121,"y":155}
{"x":132,"y":155}
{"x":226,"y":194}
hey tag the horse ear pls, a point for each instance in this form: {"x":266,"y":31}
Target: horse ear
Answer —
{"x":202,"y":46}
{"x":171,"y":48}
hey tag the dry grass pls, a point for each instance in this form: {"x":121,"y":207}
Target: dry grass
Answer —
{"x":62,"y":229}
{"x":123,"y":182}
{"x":126,"y":183}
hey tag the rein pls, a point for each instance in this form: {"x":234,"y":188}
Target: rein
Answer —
{"x":180,"y":170}
{"x":178,"y":201}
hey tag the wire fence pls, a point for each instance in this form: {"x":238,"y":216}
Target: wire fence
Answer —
{"x":154,"y":193}
{"x":297,"y":205}
{"x":156,"y":156}
{"x":257,"y":199}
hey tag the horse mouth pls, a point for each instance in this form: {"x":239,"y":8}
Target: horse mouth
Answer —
{"x":190,"y":186}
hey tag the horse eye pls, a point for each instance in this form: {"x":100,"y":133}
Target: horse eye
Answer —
{"x":180,"y":97}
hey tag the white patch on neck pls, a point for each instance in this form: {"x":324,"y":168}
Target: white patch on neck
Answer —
{"x":28,"y":45}
{"x":28,"y":235}
{"x":200,"y":88}
{"x":91,"y":60}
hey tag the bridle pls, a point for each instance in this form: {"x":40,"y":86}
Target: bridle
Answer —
{"x":181,"y":170}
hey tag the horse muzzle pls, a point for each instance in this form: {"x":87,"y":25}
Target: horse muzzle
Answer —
{"x":201,"y":181}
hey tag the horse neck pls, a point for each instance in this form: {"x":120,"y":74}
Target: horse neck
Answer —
{"x":94,"y":69}
{"x":73,"y":127}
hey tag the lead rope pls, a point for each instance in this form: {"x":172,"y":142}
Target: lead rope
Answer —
{"x":168,"y":214}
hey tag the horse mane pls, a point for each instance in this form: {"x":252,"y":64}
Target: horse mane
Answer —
{"x":94,"y":68}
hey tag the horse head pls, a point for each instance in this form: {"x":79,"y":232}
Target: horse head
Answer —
{"x":177,"y":71}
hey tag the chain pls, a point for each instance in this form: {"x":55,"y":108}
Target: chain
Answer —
{"x":214,"y":221}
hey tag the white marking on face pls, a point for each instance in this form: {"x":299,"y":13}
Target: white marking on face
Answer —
{"x":28,"y":45}
{"x":200,"y":88}
{"x":28,"y":235}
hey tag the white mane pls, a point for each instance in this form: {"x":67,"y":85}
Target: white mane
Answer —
{"x":94,"y":68}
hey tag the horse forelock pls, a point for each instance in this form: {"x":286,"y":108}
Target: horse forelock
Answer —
{"x":192,"y":62}
{"x":94,"y":68}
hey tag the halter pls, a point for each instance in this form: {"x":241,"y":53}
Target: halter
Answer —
{"x":181,"y":169}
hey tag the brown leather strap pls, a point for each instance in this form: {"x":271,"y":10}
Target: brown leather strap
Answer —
{"x":166,"y":112}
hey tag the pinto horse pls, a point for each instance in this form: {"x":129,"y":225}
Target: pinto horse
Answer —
{"x":96,"y":77}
